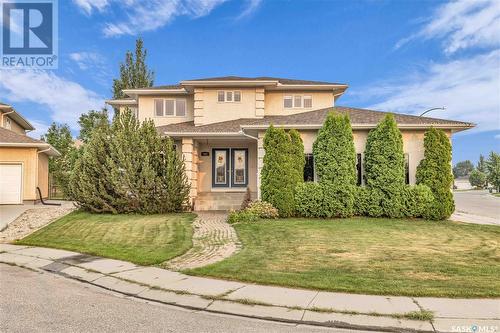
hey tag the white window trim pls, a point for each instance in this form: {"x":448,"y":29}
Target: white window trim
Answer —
{"x":304,"y":98}
{"x":301,"y":102}
{"x":285,"y":97}
{"x":225,"y":96}
{"x":165,"y":108}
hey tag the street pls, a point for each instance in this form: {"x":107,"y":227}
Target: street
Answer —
{"x":479,"y":203}
{"x":36,"y":302}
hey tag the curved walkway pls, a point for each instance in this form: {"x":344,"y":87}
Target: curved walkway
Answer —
{"x":213,"y":240}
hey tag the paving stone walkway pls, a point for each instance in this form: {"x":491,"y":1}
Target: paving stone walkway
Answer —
{"x":213,"y":240}
{"x":298,"y":306}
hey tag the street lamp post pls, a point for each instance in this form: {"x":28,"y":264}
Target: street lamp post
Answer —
{"x":443,"y":108}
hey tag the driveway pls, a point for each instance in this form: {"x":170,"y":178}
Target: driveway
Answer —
{"x":35,"y":302}
{"x":9,"y":213}
{"x":476,"y":207}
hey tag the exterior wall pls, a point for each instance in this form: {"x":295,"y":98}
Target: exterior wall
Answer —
{"x":205,"y":164}
{"x":15,"y":127}
{"x":43,"y":174}
{"x":147,"y":111}
{"x":28,"y":157}
{"x":274,"y":102}
{"x":208,"y":110}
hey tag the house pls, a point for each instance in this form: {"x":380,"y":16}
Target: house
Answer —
{"x":219,"y":123}
{"x":24,"y":162}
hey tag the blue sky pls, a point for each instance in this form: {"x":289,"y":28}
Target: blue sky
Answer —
{"x":401,"y":56}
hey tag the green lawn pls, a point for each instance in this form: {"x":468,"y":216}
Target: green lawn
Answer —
{"x":362,"y":255}
{"x":141,"y":239}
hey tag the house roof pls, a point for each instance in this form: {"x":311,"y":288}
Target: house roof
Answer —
{"x":360,"y":118}
{"x":265,"y":78}
{"x":10,"y":138}
{"x":16,"y":116}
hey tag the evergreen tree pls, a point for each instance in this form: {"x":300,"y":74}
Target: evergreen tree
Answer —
{"x":59,"y":136}
{"x":297,"y":156}
{"x":134,"y":72}
{"x":434,"y":171}
{"x":481,"y":165}
{"x":384,"y":168}
{"x":89,"y":121}
{"x":335,"y":160}
{"x":463,"y":169}
{"x":277,"y":175}
{"x":477,"y":179}
{"x":493,"y":166}
{"x":89,"y":186}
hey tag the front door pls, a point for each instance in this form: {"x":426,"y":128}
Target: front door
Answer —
{"x":229,"y":167}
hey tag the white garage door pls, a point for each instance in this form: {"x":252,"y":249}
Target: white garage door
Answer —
{"x":11,"y":181}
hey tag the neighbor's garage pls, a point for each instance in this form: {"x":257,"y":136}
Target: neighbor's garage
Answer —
{"x":11,"y":183}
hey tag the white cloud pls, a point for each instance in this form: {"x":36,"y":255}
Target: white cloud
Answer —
{"x":86,"y":60}
{"x":468,"y":88}
{"x":147,"y":15}
{"x":462,"y":24}
{"x":65,"y":99}
{"x":41,"y":128}
{"x":251,"y":7}
{"x":89,"y":5}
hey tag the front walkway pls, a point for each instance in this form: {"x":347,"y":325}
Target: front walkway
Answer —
{"x":213,"y":240}
{"x":380,"y":313}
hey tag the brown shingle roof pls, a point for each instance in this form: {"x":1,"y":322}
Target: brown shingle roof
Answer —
{"x":359,"y":117}
{"x":8,"y":136}
{"x":263,"y":78}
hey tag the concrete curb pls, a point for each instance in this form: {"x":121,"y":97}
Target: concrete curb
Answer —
{"x":121,"y":277}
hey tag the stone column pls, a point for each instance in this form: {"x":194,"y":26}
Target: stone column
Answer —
{"x":260,"y":161}
{"x":188,"y":152}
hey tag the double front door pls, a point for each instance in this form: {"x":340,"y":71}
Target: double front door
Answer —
{"x":229,"y":167}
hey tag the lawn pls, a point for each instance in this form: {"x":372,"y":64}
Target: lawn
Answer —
{"x":363,"y":255}
{"x":141,"y":239}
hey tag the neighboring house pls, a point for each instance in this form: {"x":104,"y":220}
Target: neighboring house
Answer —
{"x":219,"y":124}
{"x":24,"y":162}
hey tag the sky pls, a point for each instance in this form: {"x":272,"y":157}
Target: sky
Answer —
{"x":398,"y":56}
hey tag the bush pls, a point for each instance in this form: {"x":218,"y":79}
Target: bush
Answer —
{"x":418,"y":200}
{"x":477,"y":179}
{"x":279,"y":175}
{"x":435,"y":171}
{"x":129,"y":168}
{"x":309,"y":200}
{"x":263,"y":209}
{"x":384,"y":168}
{"x":335,"y":162}
{"x":241,"y":216}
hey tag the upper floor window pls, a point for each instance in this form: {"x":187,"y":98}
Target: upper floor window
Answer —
{"x":297,"y":101}
{"x":8,"y":124}
{"x":229,"y":96}
{"x":173,"y":107}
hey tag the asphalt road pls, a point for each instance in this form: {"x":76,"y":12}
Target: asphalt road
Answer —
{"x":44,"y":302}
{"x":479,"y":203}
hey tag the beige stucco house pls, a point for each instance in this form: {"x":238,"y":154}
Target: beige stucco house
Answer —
{"x":24,"y":162}
{"x":219,"y":123}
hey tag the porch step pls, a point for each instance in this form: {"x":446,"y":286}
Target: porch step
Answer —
{"x":219,"y":200}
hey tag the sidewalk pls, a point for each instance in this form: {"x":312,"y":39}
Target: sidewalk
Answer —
{"x":381,"y":313}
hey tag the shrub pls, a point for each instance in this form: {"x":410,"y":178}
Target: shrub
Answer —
{"x":361,"y":202}
{"x":263,"y":209}
{"x":241,"y":216}
{"x":417,"y":200}
{"x":384,"y":168}
{"x":278,"y":177}
{"x":434,"y":171}
{"x":247,"y":199}
{"x":129,"y":168}
{"x":335,"y":161}
{"x":309,"y":200}
{"x":298,"y":160}
{"x":477,"y":179}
